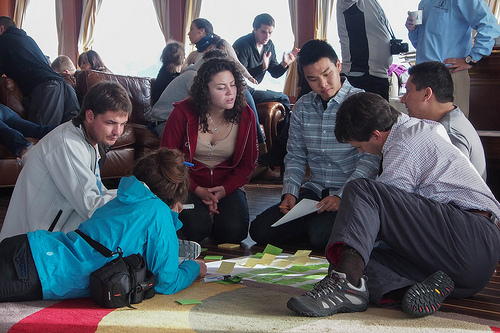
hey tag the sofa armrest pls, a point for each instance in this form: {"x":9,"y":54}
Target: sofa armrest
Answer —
{"x":11,"y":96}
{"x":270,"y":114}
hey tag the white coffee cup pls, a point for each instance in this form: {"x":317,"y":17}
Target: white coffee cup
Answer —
{"x":417,"y":16}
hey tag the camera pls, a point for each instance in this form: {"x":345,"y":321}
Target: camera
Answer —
{"x":397,"y":46}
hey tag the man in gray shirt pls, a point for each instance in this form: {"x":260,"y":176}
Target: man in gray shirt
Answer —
{"x":429,"y":95}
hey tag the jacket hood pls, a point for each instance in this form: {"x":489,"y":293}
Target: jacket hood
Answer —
{"x":131,"y":190}
{"x":16,"y":31}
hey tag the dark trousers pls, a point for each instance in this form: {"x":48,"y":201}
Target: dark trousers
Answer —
{"x":310,"y":230}
{"x":370,"y":83}
{"x":14,"y":130}
{"x":421,"y":236}
{"x":229,"y":226}
{"x":261,"y":96}
{"x":18,"y":275}
{"x":52,"y":103}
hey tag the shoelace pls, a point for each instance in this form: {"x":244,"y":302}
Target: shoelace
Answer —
{"x":329,"y":284}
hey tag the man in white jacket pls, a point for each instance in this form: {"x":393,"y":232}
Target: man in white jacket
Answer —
{"x":60,"y":185}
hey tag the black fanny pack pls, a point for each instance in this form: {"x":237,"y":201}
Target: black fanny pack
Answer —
{"x":122,"y":281}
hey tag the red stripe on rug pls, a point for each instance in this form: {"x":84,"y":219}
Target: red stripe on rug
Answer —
{"x":72,"y":315}
{"x":495,"y":329}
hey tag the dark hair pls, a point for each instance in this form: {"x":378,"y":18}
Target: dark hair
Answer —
{"x":435,"y":75}
{"x":261,"y":19}
{"x":6,"y":22}
{"x":105,"y":96}
{"x":94,"y":60}
{"x":361,"y":114}
{"x":214,"y":53}
{"x":163,"y":171}
{"x":200,"y":95}
{"x":202,"y":23}
{"x":311,"y":52}
{"x":172,"y":56}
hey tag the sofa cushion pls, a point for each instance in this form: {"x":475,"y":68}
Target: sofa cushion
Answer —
{"x":138,"y":88}
{"x":11,"y":96}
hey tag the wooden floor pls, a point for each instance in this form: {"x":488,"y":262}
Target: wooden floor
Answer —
{"x":485,"y":304}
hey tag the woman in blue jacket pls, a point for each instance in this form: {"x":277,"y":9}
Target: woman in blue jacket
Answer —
{"x":143,"y":218}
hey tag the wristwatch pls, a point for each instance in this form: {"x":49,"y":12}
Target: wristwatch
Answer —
{"x":470,"y":61}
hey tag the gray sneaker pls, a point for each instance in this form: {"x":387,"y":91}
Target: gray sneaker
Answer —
{"x":189,"y":250}
{"x":331,"y":295}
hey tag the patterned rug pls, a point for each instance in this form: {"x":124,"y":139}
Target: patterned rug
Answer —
{"x":245,"y":307}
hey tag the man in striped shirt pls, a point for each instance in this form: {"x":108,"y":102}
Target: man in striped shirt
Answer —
{"x":312,"y":143}
{"x":434,"y":215}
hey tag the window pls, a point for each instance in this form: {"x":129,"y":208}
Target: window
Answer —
{"x":40,"y":24}
{"x":128,"y":38}
{"x":232,"y":27}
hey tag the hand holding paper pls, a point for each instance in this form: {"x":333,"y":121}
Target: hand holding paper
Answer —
{"x":303,"y":207}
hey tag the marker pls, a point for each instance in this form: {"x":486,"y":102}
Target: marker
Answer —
{"x":188,"y":206}
{"x":188,"y":164}
{"x":213,"y":278}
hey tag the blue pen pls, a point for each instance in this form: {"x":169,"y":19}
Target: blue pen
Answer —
{"x":188,"y":164}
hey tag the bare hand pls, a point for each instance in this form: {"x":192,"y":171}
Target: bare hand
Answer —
{"x":288,"y":202}
{"x":266,"y":57}
{"x":329,"y":204}
{"x":457,"y":64}
{"x":218,"y":191}
{"x":410,"y":23}
{"x":290,"y":57}
{"x":253,"y":80}
{"x":177,"y":207}
{"x":203,"y":268}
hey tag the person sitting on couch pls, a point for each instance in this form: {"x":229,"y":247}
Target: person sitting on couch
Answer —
{"x":147,"y":204}
{"x":172,"y":58}
{"x":66,"y":68}
{"x":91,"y":60}
{"x":60,"y":185}
{"x":14,"y":130}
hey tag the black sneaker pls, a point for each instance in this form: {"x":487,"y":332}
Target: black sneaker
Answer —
{"x":189,"y":250}
{"x":425,"y":298}
{"x":331,"y":295}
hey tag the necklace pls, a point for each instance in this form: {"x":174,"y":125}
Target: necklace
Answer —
{"x":216,"y":130}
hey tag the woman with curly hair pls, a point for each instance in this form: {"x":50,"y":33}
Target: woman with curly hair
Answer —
{"x":216,"y":130}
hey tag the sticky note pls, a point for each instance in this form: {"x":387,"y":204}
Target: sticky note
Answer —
{"x":282,"y":263}
{"x":267,"y":259}
{"x":258,"y":255}
{"x":302,"y":253}
{"x":229,"y":246}
{"x":271,"y":249}
{"x":188,"y":301}
{"x":251,"y":262}
{"x":226,"y":267}
{"x":213,"y":257}
{"x":301,"y":260}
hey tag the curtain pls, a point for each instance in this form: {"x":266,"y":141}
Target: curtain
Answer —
{"x":161,"y":9}
{"x":322,"y":17}
{"x":292,"y":77}
{"x":19,"y":12}
{"x":193,"y":10}
{"x":495,"y":7}
{"x":59,"y":25}
{"x":90,"y":8}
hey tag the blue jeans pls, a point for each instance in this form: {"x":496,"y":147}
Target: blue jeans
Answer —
{"x":14,"y":130}
{"x":229,"y":226}
{"x":251,"y":104}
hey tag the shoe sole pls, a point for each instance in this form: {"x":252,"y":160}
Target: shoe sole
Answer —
{"x":293,"y":302}
{"x":425,"y":298}
{"x":189,"y":249}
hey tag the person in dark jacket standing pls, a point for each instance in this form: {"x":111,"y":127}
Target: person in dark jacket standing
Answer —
{"x":48,"y":98}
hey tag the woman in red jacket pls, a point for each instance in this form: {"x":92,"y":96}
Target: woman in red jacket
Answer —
{"x":216,"y":130}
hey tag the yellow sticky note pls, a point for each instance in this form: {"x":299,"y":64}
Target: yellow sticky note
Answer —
{"x":251,"y":262}
{"x":226,"y":268}
{"x":282,"y":263}
{"x":300,"y":261}
{"x":302,"y":253}
{"x":267,"y":259}
{"x":229,"y":246}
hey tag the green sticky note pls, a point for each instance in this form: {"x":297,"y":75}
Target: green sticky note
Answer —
{"x":308,"y":286}
{"x":271,"y":249}
{"x":188,"y":301}
{"x":258,"y":255}
{"x":203,"y":249}
{"x":213,"y":257}
{"x":299,"y":268}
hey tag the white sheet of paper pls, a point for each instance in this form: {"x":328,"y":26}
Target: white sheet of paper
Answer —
{"x":303,"y":207}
